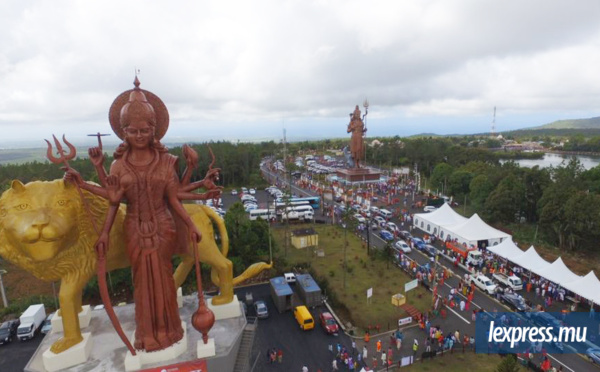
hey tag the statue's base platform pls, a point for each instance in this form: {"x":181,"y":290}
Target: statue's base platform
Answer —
{"x":142,"y":358}
{"x":205,"y":350}
{"x":71,"y":357}
{"x":85,"y":315}
{"x":108,"y":351}
{"x":230,"y":310}
{"x":358,"y":175}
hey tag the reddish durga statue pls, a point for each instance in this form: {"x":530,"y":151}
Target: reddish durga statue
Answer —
{"x":144,"y":176}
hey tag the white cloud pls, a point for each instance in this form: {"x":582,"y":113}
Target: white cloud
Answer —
{"x":240,"y":64}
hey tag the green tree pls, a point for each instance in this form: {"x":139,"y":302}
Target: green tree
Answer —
{"x":508,"y":364}
{"x":581,"y":212}
{"x":553,"y":220}
{"x":507,"y":200}
{"x":440,"y":176}
{"x":459,"y":182}
{"x":480,"y":188}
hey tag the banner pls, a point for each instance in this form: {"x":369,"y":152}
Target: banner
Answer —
{"x":411,"y":285}
{"x":198,"y":365}
{"x":370,"y":292}
{"x":404,"y":321}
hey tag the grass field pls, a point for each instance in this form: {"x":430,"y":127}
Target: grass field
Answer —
{"x":363,"y":273}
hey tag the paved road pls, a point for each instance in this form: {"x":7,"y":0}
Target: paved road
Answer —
{"x":15,"y":356}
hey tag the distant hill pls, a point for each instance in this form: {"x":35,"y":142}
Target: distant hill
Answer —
{"x":591,"y":123}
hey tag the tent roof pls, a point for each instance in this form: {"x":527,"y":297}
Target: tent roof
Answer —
{"x":507,"y":249}
{"x":442,"y":216}
{"x":587,"y":287}
{"x":530,"y":260}
{"x":557,"y":272}
{"x":475,"y":229}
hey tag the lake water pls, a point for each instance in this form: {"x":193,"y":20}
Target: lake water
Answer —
{"x":554,"y":160}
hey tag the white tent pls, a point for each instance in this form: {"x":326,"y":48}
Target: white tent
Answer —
{"x":507,"y":249}
{"x":432,"y":222}
{"x":530,"y":260}
{"x":587,"y":287}
{"x":473,"y":230}
{"x":557,"y":272}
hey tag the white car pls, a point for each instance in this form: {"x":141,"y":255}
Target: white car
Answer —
{"x":429,"y":208}
{"x":375,"y":210}
{"x":401,"y":245}
{"x":252,"y":191}
{"x":380,"y":221}
{"x":359,"y":218}
{"x":392,"y":227}
{"x":244,"y":190}
{"x":246,"y":197}
{"x":234,"y":192}
{"x":484,"y":283}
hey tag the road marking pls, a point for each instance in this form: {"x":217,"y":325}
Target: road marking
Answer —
{"x":461,"y":295}
{"x":457,"y":314}
{"x":570,"y":369}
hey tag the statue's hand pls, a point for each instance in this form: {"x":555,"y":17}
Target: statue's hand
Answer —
{"x":195,"y":235}
{"x":96,"y":156}
{"x":211,"y":176}
{"x":71,"y":175}
{"x":191,"y":156}
{"x":113,"y":189}
{"x":101,"y":245}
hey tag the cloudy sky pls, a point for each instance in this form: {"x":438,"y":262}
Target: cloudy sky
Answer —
{"x":247,"y":69}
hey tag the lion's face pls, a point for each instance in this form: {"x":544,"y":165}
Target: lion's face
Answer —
{"x":40,"y":218}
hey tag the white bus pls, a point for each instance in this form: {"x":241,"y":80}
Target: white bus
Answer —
{"x":265,"y":214}
{"x":302,"y":211}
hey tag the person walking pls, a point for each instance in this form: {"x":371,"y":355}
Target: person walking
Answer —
{"x":353,"y":347}
{"x":415,"y":348}
{"x":334,"y":366}
{"x":383,"y":358}
{"x":364,"y":353}
{"x":379,"y":346}
{"x":279,"y":355}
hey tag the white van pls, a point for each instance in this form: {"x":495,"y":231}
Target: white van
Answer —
{"x":302,"y":210}
{"x":265,"y":214}
{"x":385,"y":214}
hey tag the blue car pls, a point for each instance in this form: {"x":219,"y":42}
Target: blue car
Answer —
{"x":418,"y":243}
{"x":594,"y":355}
{"x":386,"y":235}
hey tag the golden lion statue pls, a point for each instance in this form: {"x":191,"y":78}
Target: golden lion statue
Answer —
{"x":45,"y":230}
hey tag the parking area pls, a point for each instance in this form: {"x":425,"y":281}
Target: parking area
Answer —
{"x":15,"y":355}
{"x":282,"y":332}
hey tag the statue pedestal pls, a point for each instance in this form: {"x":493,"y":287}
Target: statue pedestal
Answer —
{"x":351,"y":175}
{"x":72,"y":356}
{"x":206,"y":350}
{"x":136,"y":362}
{"x":226,"y":311}
{"x":84,"y":319}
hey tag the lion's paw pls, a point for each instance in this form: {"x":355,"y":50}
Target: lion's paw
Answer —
{"x":222,"y":299}
{"x":64,"y":343}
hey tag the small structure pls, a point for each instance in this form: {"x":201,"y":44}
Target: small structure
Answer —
{"x":303,"y":238}
{"x":281,"y":293}
{"x":308,"y":290}
{"x":398,"y":299}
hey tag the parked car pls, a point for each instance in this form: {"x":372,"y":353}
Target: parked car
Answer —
{"x":405,"y":235}
{"x":374,"y":210}
{"x":402,"y":246}
{"x":359,"y":218}
{"x":252,"y":191}
{"x":429,"y":208}
{"x":430,"y":250}
{"x":244,"y":190}
{"x":514,"y":301}
{"x":234,"y":192}
{"x":392,"y":227}
{"x":418,"y":243}
{"x":328,"y":323}
{"x":484,"y":283}
{"x":47,"y":325}
{"x":8,"y":330}
{"x":593,"y":355}
{"x":262,"y":312}
{"x":386,"y":235}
